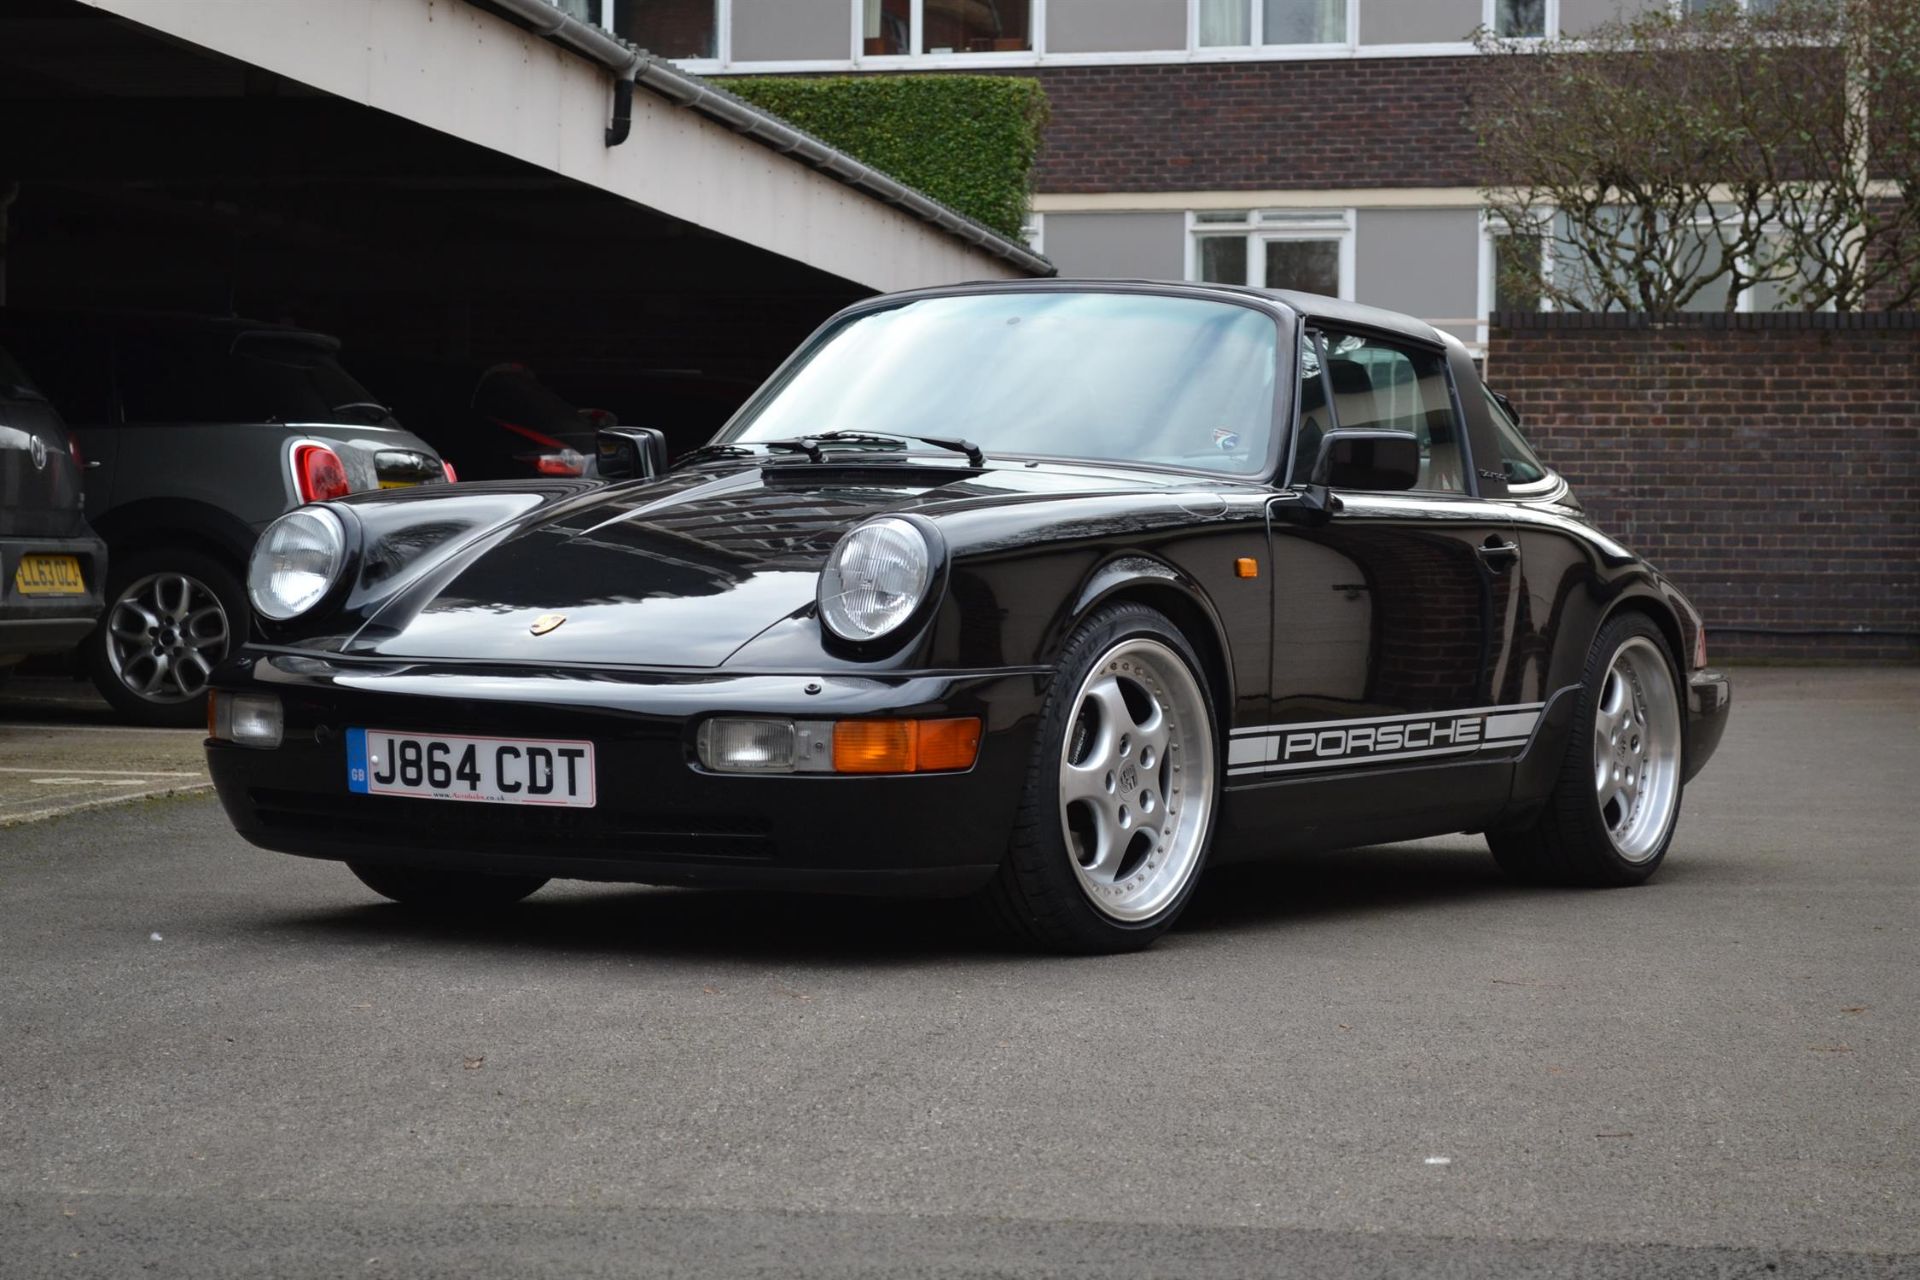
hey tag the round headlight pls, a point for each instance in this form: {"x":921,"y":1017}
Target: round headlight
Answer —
{"x":875,"y":579}
{"x":296,"y":562}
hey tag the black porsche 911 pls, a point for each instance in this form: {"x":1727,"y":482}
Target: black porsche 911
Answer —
{"x":1055,"y":593}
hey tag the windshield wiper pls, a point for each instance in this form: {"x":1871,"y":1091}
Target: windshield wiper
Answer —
{"x":714,"y":451}
{"x":973,"y":451}
{"x":379,"y":411}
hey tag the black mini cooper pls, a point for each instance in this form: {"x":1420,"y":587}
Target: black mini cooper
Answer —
{"x":1055,"y":593}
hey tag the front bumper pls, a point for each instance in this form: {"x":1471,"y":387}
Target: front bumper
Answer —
{"x":661,"y":818}
{"x":1709,"y":699}
{"x":49,"y":624}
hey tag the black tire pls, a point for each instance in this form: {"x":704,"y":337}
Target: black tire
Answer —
{"x":1568,"y":842}
{"x":446,"y":892}
{"x":1039,"y":894}
{"x":165,"y":709}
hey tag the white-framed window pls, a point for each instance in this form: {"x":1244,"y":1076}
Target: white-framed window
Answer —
{"x":1034,"y":232}
{"x":1521,"y":19}
{"x":915,"y":30}
{"x":1500,"y":247}
{"x":899,"y":34}
{"x":1268,"y":24}
{"x":1307,"y":250}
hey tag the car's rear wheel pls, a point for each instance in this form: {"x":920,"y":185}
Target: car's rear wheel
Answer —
{"x":1614,"y":808}
{"x":450,"y":892}
{"x":171,"y":616}
{"x":1121,"y":794}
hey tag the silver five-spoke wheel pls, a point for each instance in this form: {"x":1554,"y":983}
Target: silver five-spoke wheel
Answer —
{"x":165,"y":634}
{"x":1636,"y":749}
{"x":1136,"y":779}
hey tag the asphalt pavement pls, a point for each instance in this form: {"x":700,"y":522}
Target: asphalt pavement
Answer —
{"x":1387,"y":1062}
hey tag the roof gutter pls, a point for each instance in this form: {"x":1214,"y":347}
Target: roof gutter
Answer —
{"x":637,"y":66}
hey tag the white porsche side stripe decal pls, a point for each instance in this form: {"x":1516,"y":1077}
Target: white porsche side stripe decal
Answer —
{"x":1326,"y":744}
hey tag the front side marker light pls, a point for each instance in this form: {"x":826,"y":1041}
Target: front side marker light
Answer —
{"x":906,"y":746}
{"x":245,"y":719}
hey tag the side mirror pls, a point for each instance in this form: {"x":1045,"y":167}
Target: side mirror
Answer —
{"x":1367,"y":458}
{"x":631,"y":453}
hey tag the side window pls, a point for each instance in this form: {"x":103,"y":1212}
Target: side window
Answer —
{"x":1377,"y":383}
{"x":1516,"y":457}
{"x":1315,"y":418}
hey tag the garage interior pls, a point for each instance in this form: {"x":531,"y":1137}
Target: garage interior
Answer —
{"x":139,"y":171}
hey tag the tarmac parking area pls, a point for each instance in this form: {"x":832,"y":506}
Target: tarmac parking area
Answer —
{"x":1384,"y":1062}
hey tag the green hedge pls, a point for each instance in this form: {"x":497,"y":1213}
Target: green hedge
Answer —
{"x":967,"y":141}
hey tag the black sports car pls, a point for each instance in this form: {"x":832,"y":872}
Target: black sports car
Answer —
{"x":1051,"y":592}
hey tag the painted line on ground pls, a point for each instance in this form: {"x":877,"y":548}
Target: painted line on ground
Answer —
{"x":94,"y":728}
{"x":45,"y":772}
{"x":101,"y":802}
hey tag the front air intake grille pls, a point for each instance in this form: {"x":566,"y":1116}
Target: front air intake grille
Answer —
{"x":514,"y":829}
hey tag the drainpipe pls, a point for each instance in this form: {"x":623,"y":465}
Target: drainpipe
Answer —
{"x":636,"y":66}
{"x":622,"y":111}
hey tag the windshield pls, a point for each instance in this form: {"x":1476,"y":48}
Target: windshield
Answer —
{"x":1179,"y":382}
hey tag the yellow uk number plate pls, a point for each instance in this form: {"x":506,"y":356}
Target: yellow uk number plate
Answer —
{"x":398,"y":484}
{"x":49,"y":576}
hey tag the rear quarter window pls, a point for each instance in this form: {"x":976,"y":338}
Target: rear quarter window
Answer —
{"x":1517,"y":458}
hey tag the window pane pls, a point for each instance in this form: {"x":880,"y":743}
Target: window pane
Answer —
{"x":1380,"y":384}
{"x":1516,"y":272}
{"x":1174,"y":381}
{"x":1304,"y":21}
{"x":1516,"y":456}
{"x":1520,"y":17}
{"x":1225,"y":22}
{"x":977,"y":26}
{"x":1308,"y":266}
{"x":886,"y":26}
{"x":670,"y":28}
{"x":1223,"y":259}
{"x":1312,"y":414}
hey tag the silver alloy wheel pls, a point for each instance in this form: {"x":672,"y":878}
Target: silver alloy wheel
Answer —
{"x":165,"y":634}
{"x":1636,"y":749}
{"x":1136,"y":780}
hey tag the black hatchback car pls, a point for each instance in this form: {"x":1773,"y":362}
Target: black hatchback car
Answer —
{"x":1052,"y":592}
{"x":51,"y":564}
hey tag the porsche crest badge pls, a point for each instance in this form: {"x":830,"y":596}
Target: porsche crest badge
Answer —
{"x":546,"y":622}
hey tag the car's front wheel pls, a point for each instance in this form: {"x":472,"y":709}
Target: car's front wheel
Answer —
{"x":446,"y":892}
{"x":1121,"y":793}
{"x":1613,"y":810}
{"x":171,"y":616}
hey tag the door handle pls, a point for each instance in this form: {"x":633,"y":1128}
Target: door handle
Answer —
{"x":1498,"y":555}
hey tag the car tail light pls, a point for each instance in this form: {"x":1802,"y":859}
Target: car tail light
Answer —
{"x":318,"y":473}
{"x":446,"y":468}
{"x":567,"y":462}
{"x":73,"y":451}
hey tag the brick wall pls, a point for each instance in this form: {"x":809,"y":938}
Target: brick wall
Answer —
{"x":1769,"y":463}
{"x":1342,"y":122}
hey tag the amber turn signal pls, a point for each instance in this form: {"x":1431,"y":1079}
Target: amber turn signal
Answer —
{"x":905,"y":746}
{"x":1247,"y":567}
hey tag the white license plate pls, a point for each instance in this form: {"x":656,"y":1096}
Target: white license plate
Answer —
{"x":545,"y":771}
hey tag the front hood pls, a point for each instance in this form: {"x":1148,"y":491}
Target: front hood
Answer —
{"x":683,"y":571}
